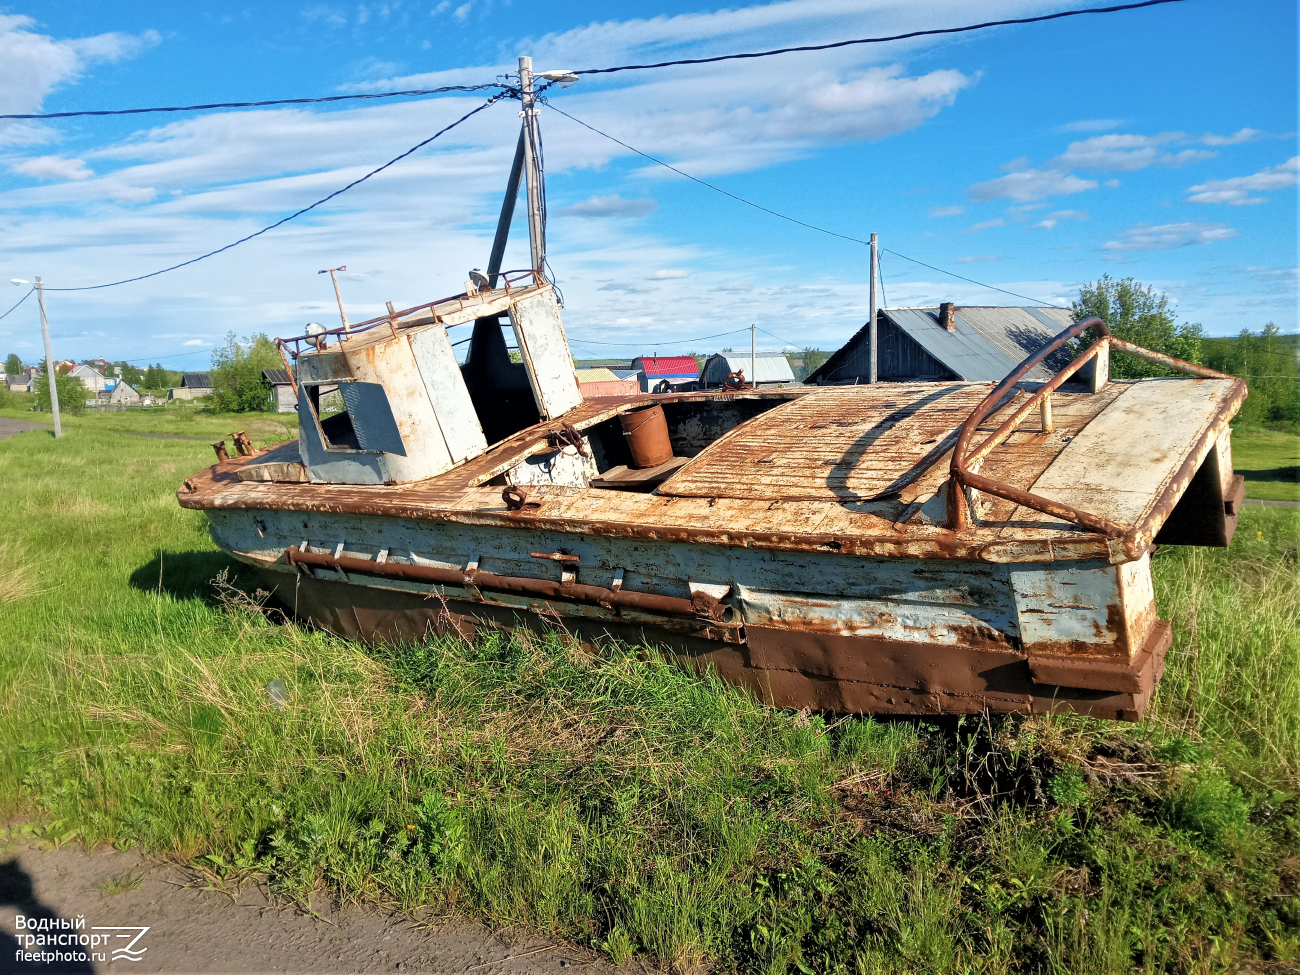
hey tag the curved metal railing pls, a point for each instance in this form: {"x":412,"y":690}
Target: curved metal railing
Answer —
{"x":964,"y":469}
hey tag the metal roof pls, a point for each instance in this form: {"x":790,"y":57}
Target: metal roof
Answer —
{"x":667,"y":365}
{"x":771,"y":367}
{"x":196,"y":380}
{"x":988,"y":342}
{"x":277,"y":377}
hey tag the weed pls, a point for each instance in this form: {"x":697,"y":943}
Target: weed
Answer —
{"x":120,"y":884}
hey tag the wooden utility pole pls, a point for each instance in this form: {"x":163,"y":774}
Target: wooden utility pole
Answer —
{"x":337,"y":295}
{"x":753,"y":372}
{"x":533,"y":169}
{"x":875,"y":345}
{"x":51,"y":374}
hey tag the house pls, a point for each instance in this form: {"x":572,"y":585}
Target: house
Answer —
{"x":945,"y":343}
{"x":283,"y":397}
{"x":19,"y":382}
{"x":769,"y":368}
{"x":676,"y":370}
{"x":607,"y":382}
{"x":123,"y":395}
{"x":92,"y":379}
{"x":193,"y":385}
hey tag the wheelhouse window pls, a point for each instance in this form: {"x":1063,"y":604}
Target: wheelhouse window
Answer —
{"x":354,"y":416}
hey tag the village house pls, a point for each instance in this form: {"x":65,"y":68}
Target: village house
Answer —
{"x":193,"y":385}
{"x":673,"y":370}
{"x":283,"y":398}
{"x":768,"y":368}
{"x":947,"y":343}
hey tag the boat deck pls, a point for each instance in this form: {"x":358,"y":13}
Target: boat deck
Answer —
{"x":857,"y":470}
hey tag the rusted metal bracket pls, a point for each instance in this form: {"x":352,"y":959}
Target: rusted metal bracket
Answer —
{"x":966,"y":462}
{"x":220,"y":448}
{"x":516,"y":498}
{"x":701,"y":606}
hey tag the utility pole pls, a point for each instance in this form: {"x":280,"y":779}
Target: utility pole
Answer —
{"x":875,"y":265}
{"x":339,"y":297}
{"x":51,"y":374}
{"x":753,"y":372}
{"x":533,"y":169}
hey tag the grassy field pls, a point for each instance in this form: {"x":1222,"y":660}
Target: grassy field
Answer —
{"x":1270,"y":460}
{"x":619,"y":801}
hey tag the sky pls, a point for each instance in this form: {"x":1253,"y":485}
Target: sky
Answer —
{"x":1158,"y":144}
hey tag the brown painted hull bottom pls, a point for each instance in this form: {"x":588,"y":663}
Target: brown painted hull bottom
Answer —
{"x":785,"y":668}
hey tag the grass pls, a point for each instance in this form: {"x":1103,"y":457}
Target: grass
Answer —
{"x":619,"y":801}
{"x":1270,"y":459}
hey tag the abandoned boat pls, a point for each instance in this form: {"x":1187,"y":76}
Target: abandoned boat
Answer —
{"x":914,"y":548}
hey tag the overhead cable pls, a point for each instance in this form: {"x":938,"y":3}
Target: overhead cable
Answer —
{"x":417,"y":92}
{"x":879,"y":40}
{"x":638,"y":343}
{"x":297,"y":213}
{"x":414,"y":92}
{"x":954,"y":274}
{"x":775,"y":213}
{"x":19,"y":302}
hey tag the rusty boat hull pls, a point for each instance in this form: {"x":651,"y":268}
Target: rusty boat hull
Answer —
{"x":907,"y":548}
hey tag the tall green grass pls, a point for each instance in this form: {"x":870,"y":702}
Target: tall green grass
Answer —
{"x":620,"y":801}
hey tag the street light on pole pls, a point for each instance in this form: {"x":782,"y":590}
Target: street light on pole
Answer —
{"x":331,"y":271}
{"x":51,"y":376}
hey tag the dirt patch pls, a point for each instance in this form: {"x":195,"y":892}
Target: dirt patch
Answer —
{"x":193,"y":929}
{"x":9,"y":428}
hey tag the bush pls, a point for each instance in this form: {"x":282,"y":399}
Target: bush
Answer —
{"x":1137,"y":314}
{"x":72,"y":394}
{"x":237,"y":383}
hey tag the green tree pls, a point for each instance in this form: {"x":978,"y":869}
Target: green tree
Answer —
{"x":813,"y":359}
{"x":13,"y":365}
{"x":237,"y":383}
{"x":1268,"y":364}
{"x":1141,"y":315}
{"x":72,"y":394}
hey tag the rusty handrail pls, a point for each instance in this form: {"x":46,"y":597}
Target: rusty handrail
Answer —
{"x":509,"y":277}
{"x":964,"y":468}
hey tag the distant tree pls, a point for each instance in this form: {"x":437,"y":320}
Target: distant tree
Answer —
{"x":13,"y":365}
{"x":813,"y":359}
{"x":132,"y":375}
{"x":1141,"y":315}
{"x":237,"y":383}
{"x":1269,"y":366}
{"x":72,"y":394}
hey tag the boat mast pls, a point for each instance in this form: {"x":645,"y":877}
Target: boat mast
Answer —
{"x":527,"y":163}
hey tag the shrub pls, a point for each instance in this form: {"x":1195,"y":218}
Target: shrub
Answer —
{"x":237,"y":383}
{"x":72,"y":394}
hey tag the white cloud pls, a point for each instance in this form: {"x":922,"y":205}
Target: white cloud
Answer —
{"x":949,"y":211}
{"x":1092,"y":125}
{"x":53,"y":167}
{"x":194,"y":342}
{"x":986,"y":225}
{"x":1030,"y":184}
{"x":669,"y":273}
{"x":1125,"y":153}
{"x":612,"y":205}
{"x":32,"y":65}
{"x":1145,"y":237}
{"x":1236,"y":191}
{"x":1241,"y":135}
{"x":461,"y":12}
{"x":981,"y":259}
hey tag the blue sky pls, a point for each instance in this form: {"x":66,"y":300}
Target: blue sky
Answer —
{"x":1158,"y":143}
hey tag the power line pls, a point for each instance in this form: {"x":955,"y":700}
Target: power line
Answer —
{"x":262,"y":104}
{"x":880,"y":40}
{"x":782,"y":216}
{"x":298,"y":213}
{"x":696,"y":179}
{"x":637,"y":344}
{"x":1040,"y":301}
{"x":19,"y":302}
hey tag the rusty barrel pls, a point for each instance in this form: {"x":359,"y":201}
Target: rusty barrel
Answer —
{"x":646,"y":431}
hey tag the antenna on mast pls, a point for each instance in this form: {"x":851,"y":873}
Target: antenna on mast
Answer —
{"x":528,"y":164}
